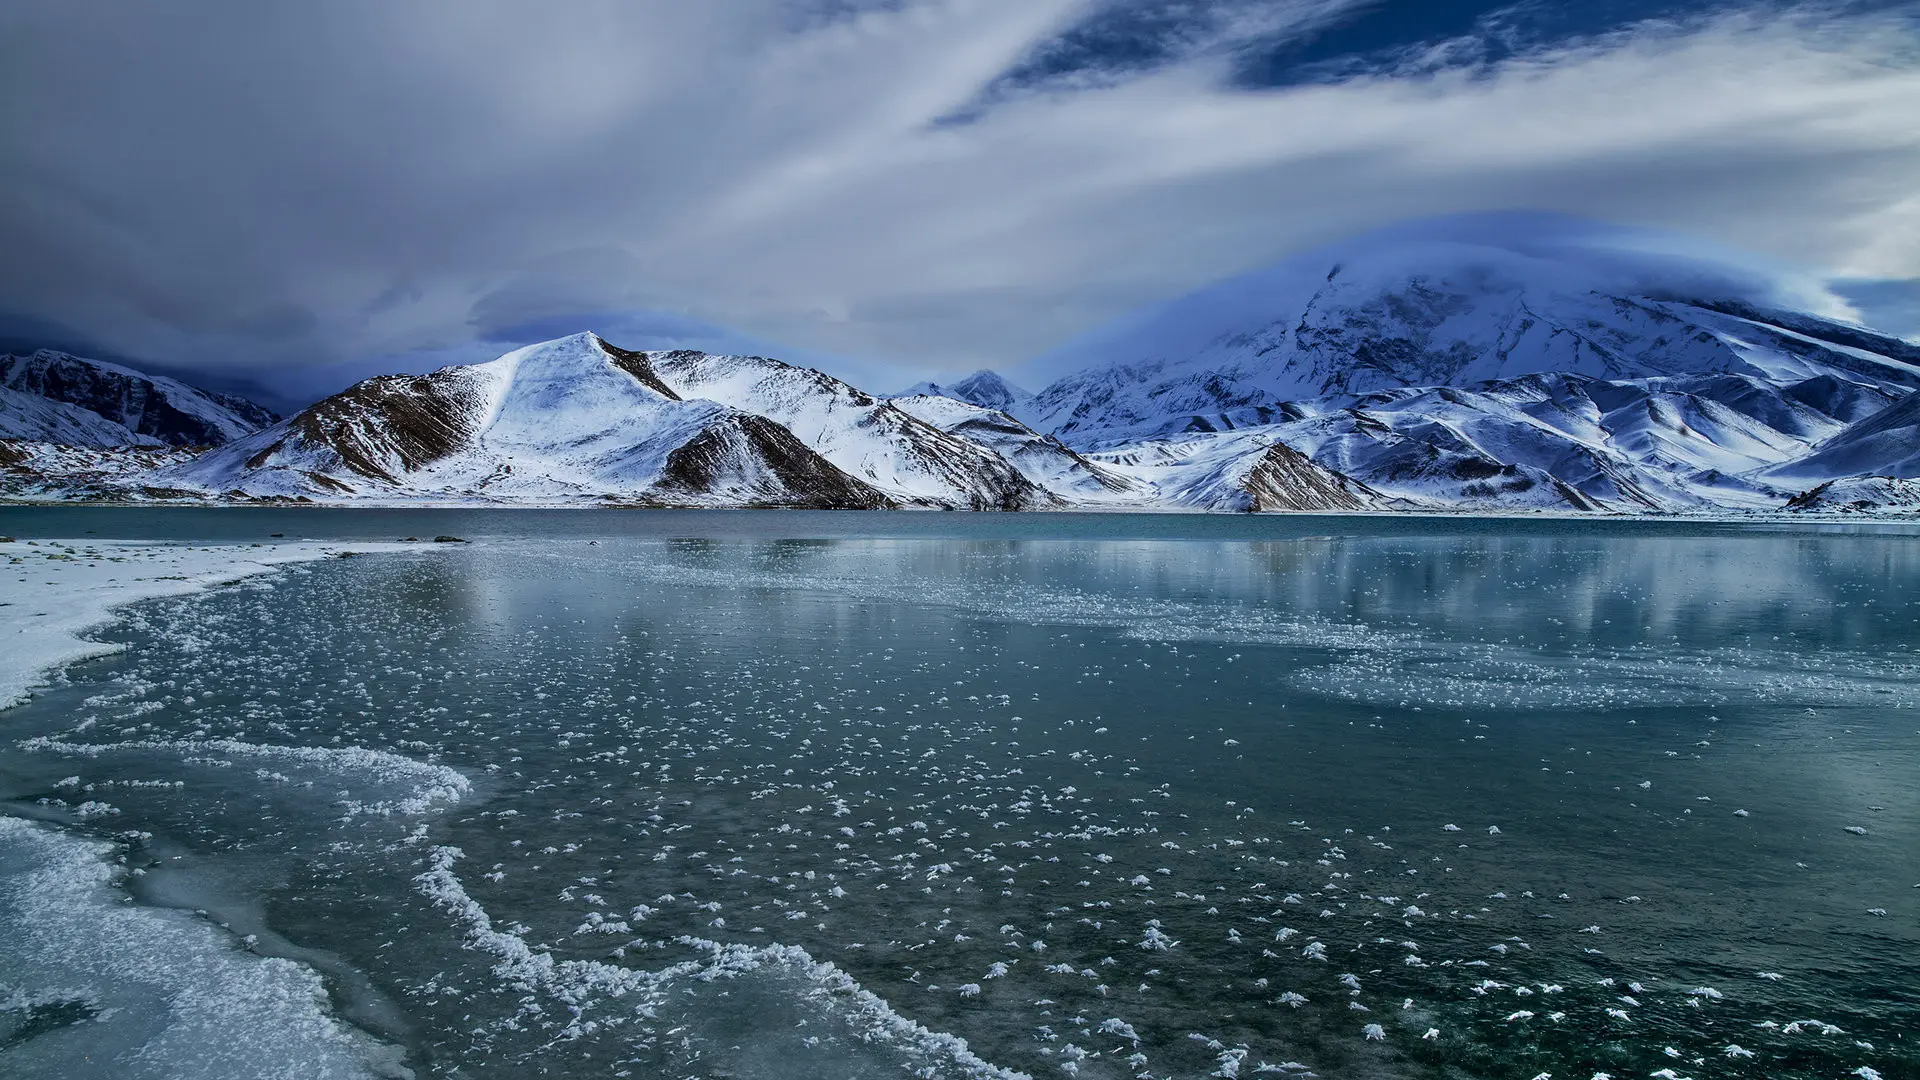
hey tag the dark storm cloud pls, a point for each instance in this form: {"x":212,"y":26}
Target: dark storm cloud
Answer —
{"x":334,"y":188}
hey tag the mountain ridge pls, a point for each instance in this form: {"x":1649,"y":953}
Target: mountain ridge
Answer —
{"x":1439,"y":375}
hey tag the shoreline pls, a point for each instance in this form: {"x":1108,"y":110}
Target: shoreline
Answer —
{"x":53,"y":592}
{"x":1768,"y":515}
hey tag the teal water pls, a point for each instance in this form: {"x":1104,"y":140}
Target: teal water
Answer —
{"x":781,"y":795}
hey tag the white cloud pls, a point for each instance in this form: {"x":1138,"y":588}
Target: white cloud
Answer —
{"x":359,"y":179}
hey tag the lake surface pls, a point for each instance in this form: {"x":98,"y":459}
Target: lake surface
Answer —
{"x":843,"y":795}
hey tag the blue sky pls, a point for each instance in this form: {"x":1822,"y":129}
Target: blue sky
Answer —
{"x":289,"y":196}
{"x":1271,"y":45}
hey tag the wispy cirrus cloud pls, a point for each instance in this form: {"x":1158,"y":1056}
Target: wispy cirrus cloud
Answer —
{"x":898,"y":188}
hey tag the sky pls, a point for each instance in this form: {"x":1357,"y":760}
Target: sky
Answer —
{"x":281,"y":198}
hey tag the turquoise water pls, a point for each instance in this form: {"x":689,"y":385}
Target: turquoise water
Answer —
{"x":824,"y":795}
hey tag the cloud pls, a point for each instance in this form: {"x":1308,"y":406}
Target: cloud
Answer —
{"x":328,"y":186}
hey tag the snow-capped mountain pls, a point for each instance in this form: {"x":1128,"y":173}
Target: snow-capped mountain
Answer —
{"x":1428,"y":314}
{"x":1447,"y":374}
{"x":1569,"y":442}
{"x":1860,"y":494}
{"x":871,"y":438}
{"x":54,"y":397}
{"x":1426,"y":373}
{"x":563,"y":420}
{"x":987,"y":389}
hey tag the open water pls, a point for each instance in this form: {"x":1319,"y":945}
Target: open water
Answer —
{"x":843,"y":795}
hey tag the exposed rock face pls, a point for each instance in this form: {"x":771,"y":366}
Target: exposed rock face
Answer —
{"x":790,"y":474}
{"x":32,"y":418}
{"x":137,"y":409}
{"x":1254,"y":472}
{"x":638,"y":365}
{"x":1283,"y":479}
{"x":388,"y":426}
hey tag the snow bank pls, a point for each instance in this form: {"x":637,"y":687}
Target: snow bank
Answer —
{"x":52,"y":592}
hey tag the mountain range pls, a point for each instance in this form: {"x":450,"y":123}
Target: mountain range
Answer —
{"x":1428,"y":375}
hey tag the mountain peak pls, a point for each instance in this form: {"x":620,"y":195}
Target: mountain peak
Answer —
{"x":986,"y":388}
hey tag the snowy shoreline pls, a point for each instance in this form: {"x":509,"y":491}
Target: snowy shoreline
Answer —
{"x":55,"y":591}
{"x":1717,"y":515}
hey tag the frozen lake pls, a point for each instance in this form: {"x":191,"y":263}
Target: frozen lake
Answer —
{"x":845,"y":795}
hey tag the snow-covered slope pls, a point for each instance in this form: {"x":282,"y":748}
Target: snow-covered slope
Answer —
{"x":43,"y":394}
{"x":563,"y":420}
{"x":987,"y":389}
{"x":1040,"y":458}
{"x":867,"y":437}
{"x":1886,"y":443}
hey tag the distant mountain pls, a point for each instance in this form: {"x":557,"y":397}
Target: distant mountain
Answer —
{"x":987,"y":389}
{"x":562,"y":421}
{"x":1259,"y":473}
{"x":54,"y":397}
{"x":1426,"y":314}
{"x":1440,"y":373}
{"x":32,"y":417}
{"x":1573,"y":442}
{"x":1566,"y":442}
